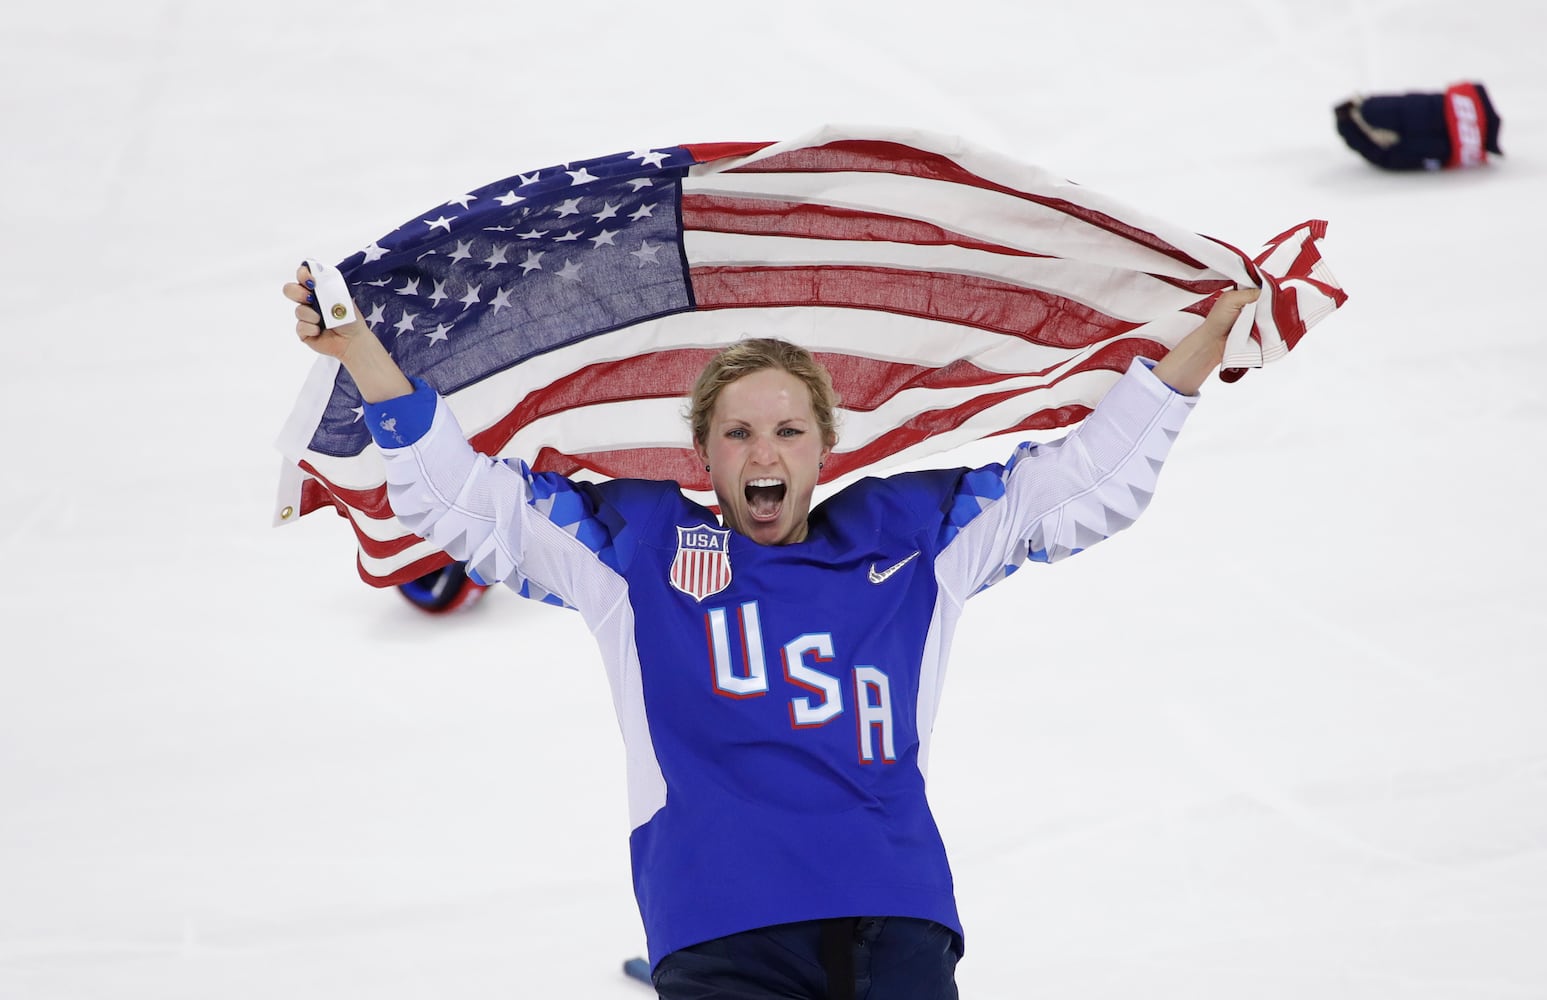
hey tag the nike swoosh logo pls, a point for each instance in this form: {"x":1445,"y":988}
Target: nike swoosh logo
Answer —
{"x":886,"y":574}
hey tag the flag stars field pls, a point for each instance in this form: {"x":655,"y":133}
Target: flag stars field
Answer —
{"x":650,"y":158}
{"x":646,"y":253}
{"x":457,"y":282}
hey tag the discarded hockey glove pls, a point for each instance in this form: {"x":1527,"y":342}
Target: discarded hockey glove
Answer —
{"x":1458,"y":128}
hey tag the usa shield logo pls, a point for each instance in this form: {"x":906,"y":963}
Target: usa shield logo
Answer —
{"x":703,"y":563}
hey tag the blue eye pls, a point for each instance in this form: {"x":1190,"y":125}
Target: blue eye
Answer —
{"x":790,"y":432}
{"x":737,"y":433}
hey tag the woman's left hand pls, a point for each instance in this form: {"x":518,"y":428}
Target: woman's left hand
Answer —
{"x":1191,"y":361}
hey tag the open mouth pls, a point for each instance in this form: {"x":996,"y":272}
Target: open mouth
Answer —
{"x":764,"y":498}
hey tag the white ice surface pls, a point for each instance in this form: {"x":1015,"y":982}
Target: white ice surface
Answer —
{"x":1307,"y":756}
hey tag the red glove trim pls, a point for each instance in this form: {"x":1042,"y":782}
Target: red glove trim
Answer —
{"x":1465,"y":122}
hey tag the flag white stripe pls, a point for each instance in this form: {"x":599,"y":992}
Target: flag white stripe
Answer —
{"x":391,"y":564}
{"x":658,"y":423}
{"x":857,"y":429}
{"x":991,"y":166}
{"x":899,"y":339}
{"x":981,"y":214}
{"x":1119,"y":293}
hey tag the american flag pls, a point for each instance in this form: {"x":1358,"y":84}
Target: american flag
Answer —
{"x":953,"y":293}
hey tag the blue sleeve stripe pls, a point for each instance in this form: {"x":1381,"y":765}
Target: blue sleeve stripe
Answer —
{"x":401,"y":421}
{"x":572,"y":509}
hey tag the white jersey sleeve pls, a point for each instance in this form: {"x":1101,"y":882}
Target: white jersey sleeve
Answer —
{"x":509,"y":525}
{"x":465,"y":503}
{"x":1053,"y":500}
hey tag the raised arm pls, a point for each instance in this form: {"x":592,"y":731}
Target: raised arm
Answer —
{"x":479,"y":510}
{"x":376,"y":375}
{"x":1059,"y":498}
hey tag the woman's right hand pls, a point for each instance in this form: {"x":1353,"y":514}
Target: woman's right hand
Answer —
{"x":335,"y":343}
{"x":375,"y":374}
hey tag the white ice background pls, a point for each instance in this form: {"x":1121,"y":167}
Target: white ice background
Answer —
{"x":1286,"y":738}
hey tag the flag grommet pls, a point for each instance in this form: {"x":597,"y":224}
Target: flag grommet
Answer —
{"x":332,"y":294}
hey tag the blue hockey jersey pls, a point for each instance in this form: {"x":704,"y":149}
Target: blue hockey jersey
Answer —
{"x":776,"y":702}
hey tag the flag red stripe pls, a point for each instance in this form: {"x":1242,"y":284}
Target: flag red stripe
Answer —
{"x":1114,"y":357}
{"x":682,"y":466}
{"x":703,"y":152}
{"x":768,"y":217}
{"x":315,"y":496}
{"x":646,"y":376}
{"x":404,"y":574}
{"x":364,"y":502}
{"x":372,"y":502}
{"x":1306,"y":259}
{"x":877,"y":156}
{"x":1034,"y":316}
{"x":862,"y":384}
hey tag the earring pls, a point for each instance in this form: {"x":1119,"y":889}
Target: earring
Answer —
{"x":706,"y":468}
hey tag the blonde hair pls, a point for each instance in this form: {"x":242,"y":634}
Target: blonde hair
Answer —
{"x":755,"y":355}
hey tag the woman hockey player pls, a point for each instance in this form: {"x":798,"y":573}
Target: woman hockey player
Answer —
{"x":776,"y":669}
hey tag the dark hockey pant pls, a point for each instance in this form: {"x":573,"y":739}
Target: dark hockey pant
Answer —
{"x":865,"y":958}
